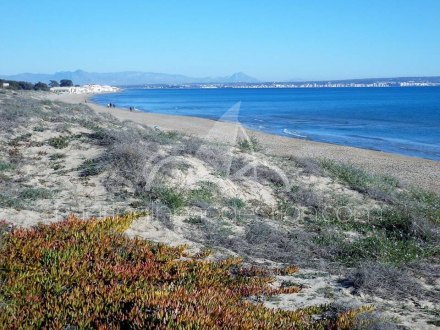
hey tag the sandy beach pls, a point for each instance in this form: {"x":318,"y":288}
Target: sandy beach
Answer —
{"x":419,"y":172}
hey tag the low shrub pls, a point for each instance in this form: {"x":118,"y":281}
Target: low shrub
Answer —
{"x":384,"y":280}
{"x":39,"y":128}
{"x":249,"y":144}
{"x":273,"y":176}
{"x":10,"y":201}
{"x":194,"y":220}
{"x":100,"y":136}
{"x":87,"y":274}
{"x":57,"y":156}
{"x":273,"y":242}
{"x":89,"y":167}
{"x":236,"y":203}
{"x":60,"y":142}
{"x":217,"y":155}
{"x":6,"y":166}
{"x":172,"y":198}
{"x":21,"y":138}
{"x":308,"y":166}
{"x":35,"y":194}
{"x":204,"y":193}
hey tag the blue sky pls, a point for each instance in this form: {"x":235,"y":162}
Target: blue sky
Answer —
{"x":271,"y":40}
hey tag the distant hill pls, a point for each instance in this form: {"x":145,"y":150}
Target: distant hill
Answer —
{"x":127,"y":78}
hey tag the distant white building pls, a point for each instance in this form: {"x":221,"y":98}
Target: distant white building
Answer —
{"x":86,"y":89}
{"x":100,"y":89}
{"x":5,"y":85}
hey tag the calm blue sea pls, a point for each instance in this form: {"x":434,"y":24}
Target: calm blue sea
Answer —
{"x":398,"y":120}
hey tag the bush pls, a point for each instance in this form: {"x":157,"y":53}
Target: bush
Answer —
{"x":35,"y":193}
{"x":216,"y":155}
{"x":194,"y":220}
{"x":309,"y":166}
{"x":41,"y":86}
{"x":205,"y":192}
{"x":102,"y":136}
{"x":170,"y":197}
{"x":59,"y":142}
{"x":273,"y":242}
{"x":57,"y":156}
{"x":270,"y":175}
{"x":236,"y":203}
{"x":6,"y":166}
{"x":89,"y":167}
{"x":10,"y":201}
{"x":249,"y":144}
{"x":384,"y":280}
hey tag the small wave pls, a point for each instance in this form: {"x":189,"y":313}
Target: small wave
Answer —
{"x":293,"y":133}
{"x":367,"y":137}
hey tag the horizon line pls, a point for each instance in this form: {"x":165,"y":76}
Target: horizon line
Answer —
{"x":227,"y":75}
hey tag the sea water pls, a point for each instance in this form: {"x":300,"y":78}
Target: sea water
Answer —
{"x":398,"y":120}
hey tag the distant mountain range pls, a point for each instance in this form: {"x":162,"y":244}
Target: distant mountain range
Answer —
{"x":139,"y":78}
{"x":127,"y":78}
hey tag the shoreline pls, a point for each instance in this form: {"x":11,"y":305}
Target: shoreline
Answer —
{"x":419,"y":172}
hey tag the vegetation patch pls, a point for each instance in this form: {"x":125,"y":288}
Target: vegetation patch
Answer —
{"x":4,"y":166}
{"x":384,"y":280}
{"x":388,"y":236}
{"x":194,"y":220}
{"x":168,"y":136}
{"x":249,"y":144}
{"x":89,"y":167}
{"x":60,"y":142}
{"x":382,"y":249}
{"x":377,"y":186}
{"x":39,"y":128}
{"x":57,"y":156}
{"x":172,"y":198}
{"x":21,"y":138}
{"x":8,"y":201}
{"x":35,"y":193}
{"x":236,"y":203}
{"x":87,"y":274}
{"x":423,"y":204}
{"x":205,"y":192}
